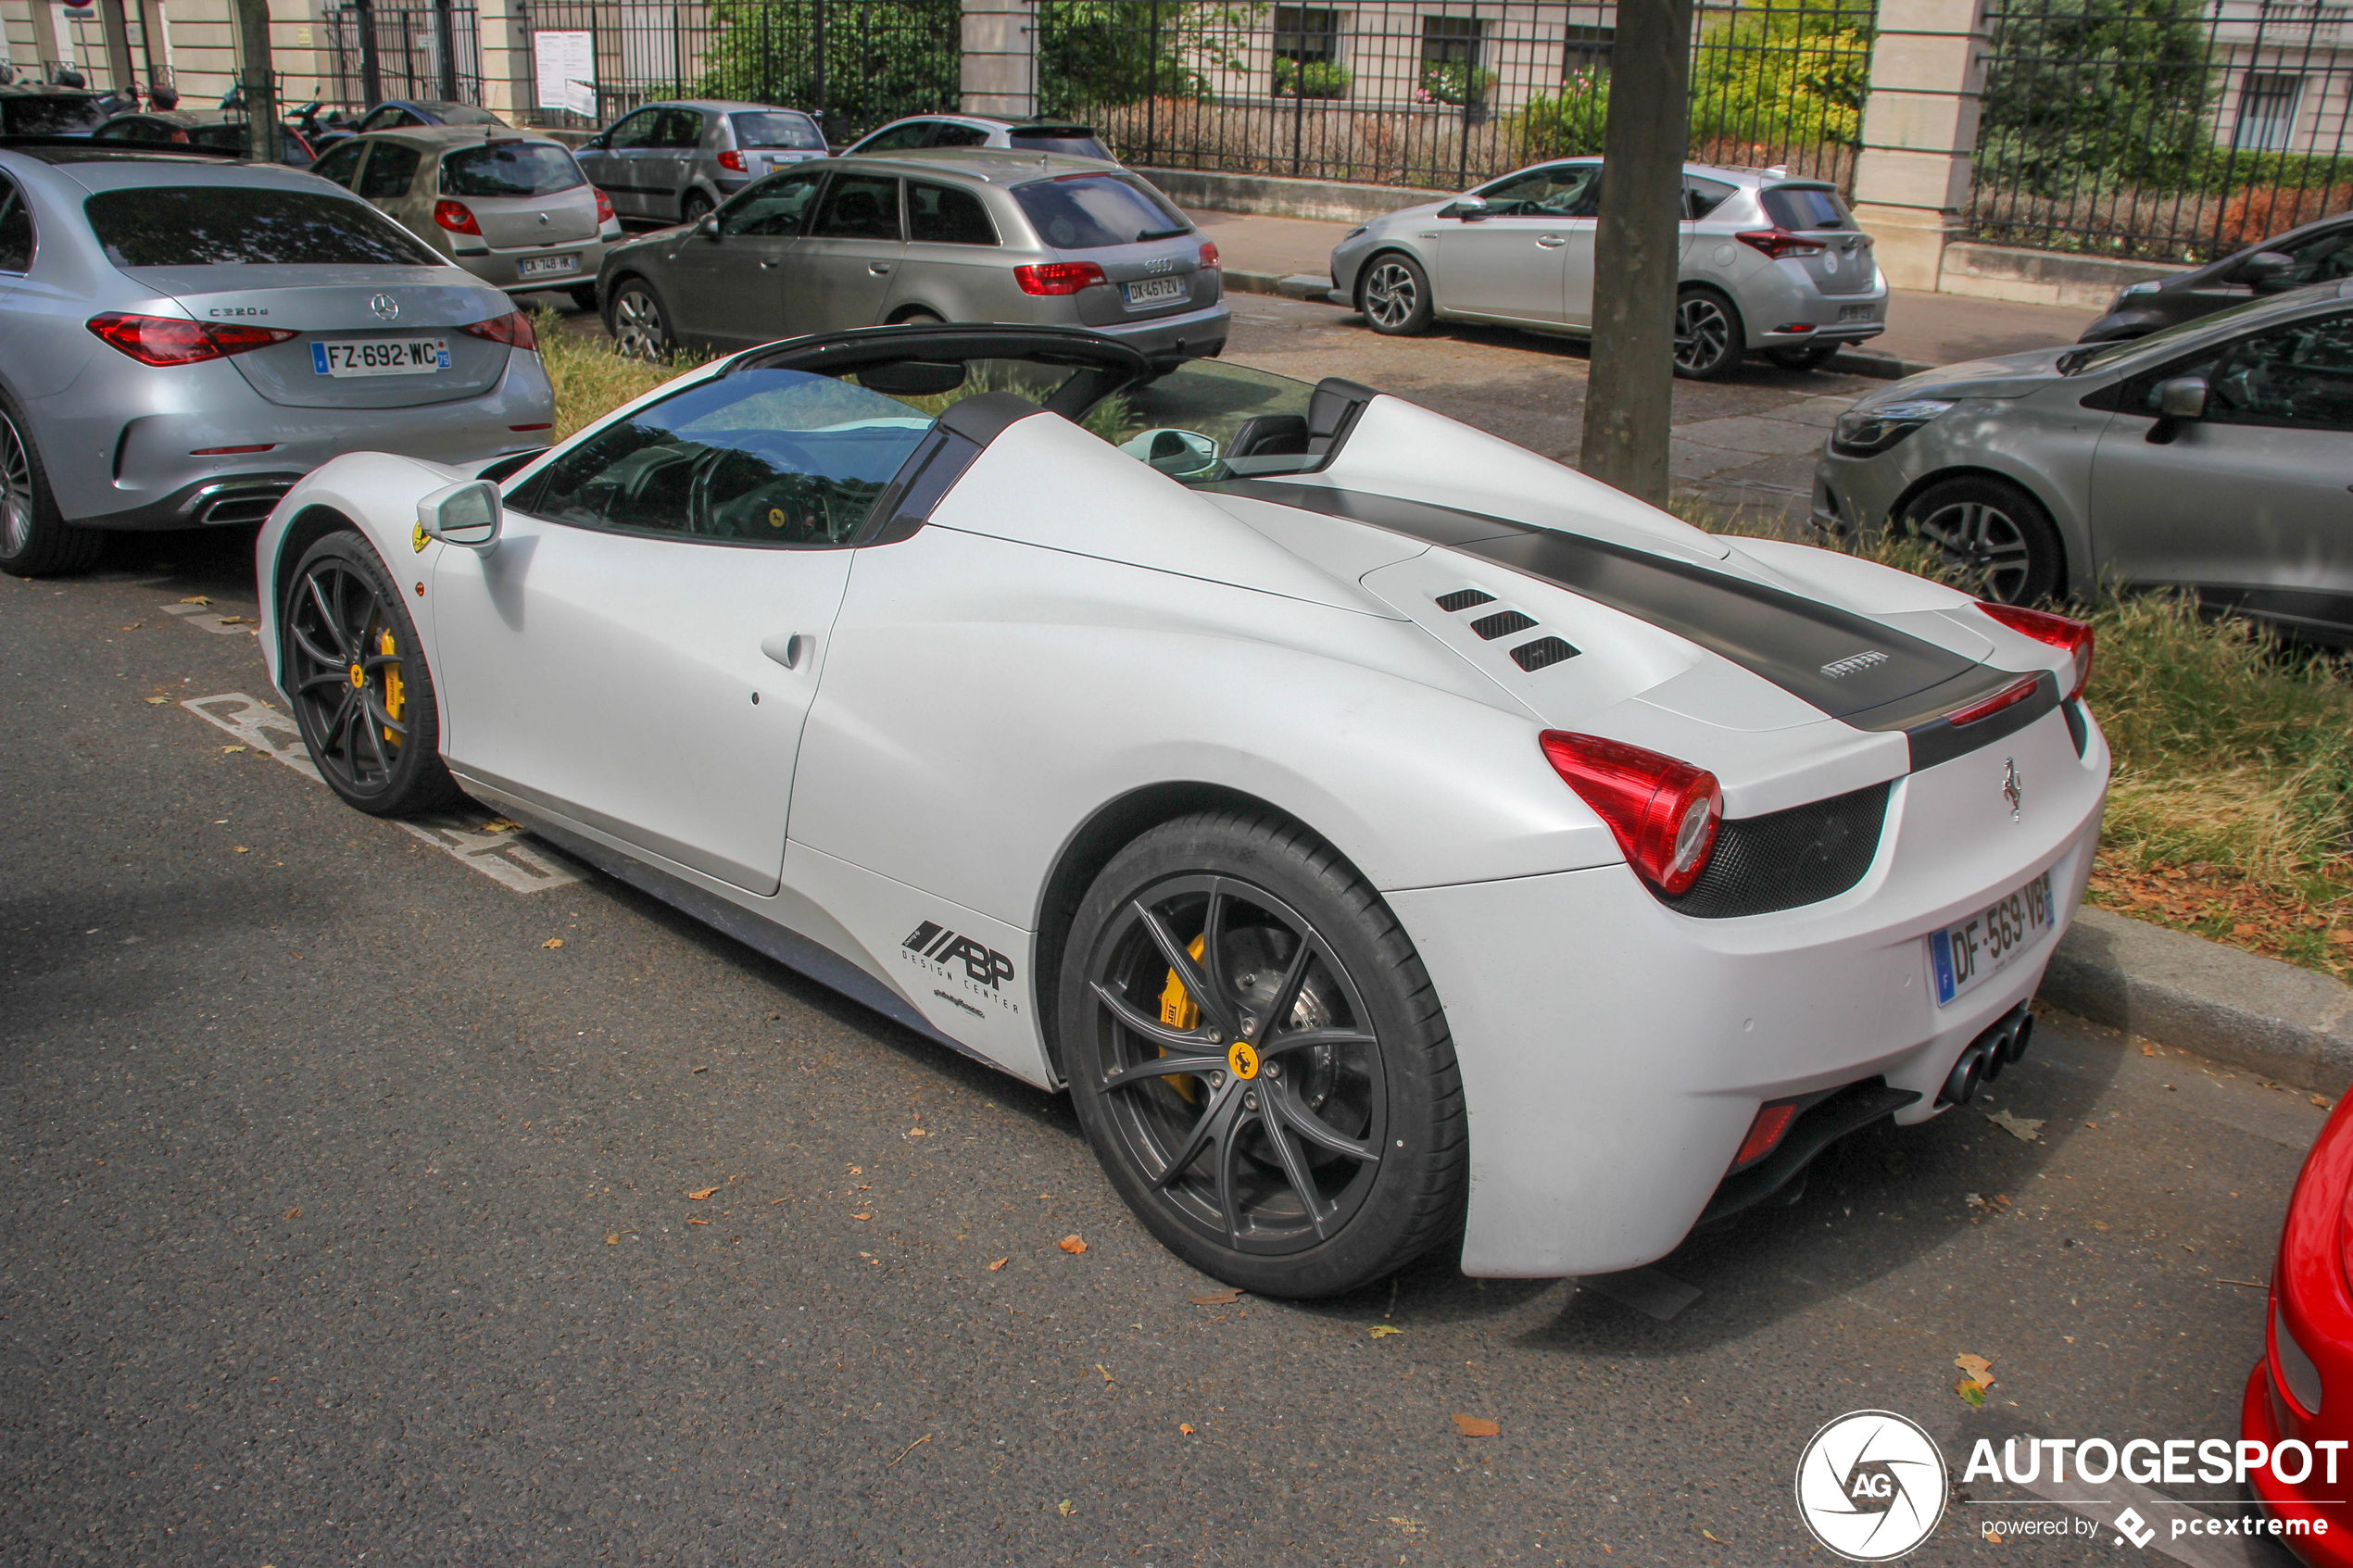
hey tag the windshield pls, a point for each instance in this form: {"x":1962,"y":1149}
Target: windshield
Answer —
{"x":508,"y":169}
{"x":771,"y":128}
{"x":2094,"y":357}
{"x":1092,"y":211}
{"x":1075,"y":140}
{"x":218,"y":225}
{"x":44,"y":115}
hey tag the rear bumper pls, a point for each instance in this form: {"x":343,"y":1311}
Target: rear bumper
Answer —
{"x":1783,"y":297}
{"x":1194,"y":334}
{"x":502,"y":269}
{"x":2320,"y":1534}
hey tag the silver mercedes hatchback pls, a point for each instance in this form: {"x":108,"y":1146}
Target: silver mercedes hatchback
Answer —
{"x":182,"y":337}
{"x":963,"y":234}
{"x":1771,"y":266}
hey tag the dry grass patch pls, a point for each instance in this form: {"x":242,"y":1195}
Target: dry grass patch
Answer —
{"x":591,"y":381}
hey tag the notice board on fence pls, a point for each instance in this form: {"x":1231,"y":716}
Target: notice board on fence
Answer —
{"x":567,"y":64}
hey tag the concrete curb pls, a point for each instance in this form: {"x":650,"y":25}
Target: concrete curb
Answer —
{"x":1316,"y":287}
{"x":2292,"y":1024}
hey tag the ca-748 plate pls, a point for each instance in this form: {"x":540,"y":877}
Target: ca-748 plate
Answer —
{"x":381,"y":357}
{"x":1961,"y":957}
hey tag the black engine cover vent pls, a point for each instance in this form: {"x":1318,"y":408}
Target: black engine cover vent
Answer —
{"x":1502,"y":623}
{"x":1787,"y":859}
{"x":1535,"y":655}
{"x":1462,"y":598}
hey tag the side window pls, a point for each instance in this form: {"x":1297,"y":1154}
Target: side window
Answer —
{"x":2323,"y":258}
{"x":777,"y":205}
{"x":776,"y":458}
{"x":679,"y":128}
{"x":637,"y":130}
{"x":384,"y":118}
{"x":1703,"y":196}
{"x":901,"y":138}
{"x":15,"y":229}
{"x":1557,"y":192}
{"x":959,"y":136}
{"x":340,"y":163}
{"x":388,"y":171}
{"x":2299,"y":375}
{"x":858,"y":207}
{"x":1212,"y":419}
{"x":946,"y":215}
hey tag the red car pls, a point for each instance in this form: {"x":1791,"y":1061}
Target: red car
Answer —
{"x":2301,"y":1392}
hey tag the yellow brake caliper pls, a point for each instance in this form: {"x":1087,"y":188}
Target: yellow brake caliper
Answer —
{"x":1178,"y":1010}
{"x":395,"y":694}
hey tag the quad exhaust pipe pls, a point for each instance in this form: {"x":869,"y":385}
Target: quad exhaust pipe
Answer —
{"x":1984,"y":1057}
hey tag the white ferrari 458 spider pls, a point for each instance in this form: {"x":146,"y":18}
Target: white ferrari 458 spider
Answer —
{"x":1387,"y":835}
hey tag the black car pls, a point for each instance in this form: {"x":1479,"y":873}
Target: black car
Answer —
{"x":397,"y":114}
{"x":2316,"y":253}
{"x":52,"y":111}
{"x":221,"y":129}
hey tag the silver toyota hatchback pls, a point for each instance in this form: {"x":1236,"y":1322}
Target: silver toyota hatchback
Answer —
{"x":1771,"y":266}
{"x":965,"y":235}
{"x":182,"y":337}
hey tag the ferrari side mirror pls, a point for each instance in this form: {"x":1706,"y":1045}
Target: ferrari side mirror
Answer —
{"x":467,"y":514}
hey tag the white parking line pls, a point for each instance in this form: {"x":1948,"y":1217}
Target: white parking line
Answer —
{"x":464,"y":832}
{"x":205,"y":620}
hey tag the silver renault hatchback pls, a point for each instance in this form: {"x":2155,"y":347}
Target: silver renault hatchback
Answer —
{"x":1771,"y":266}
{"x":962,"y":234}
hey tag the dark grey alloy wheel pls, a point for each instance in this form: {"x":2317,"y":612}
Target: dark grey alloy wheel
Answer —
{"x":1259,"y":1060}
{"x":1707,"y":335}
{"x":639,"y":328}
{"x":1992,"y":536}
{"x":1395,"y":296}
{"x":359,"y":683}
{"x":34,"y":541}
{"x":693,"y":207}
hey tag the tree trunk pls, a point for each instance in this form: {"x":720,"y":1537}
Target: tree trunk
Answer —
{"x":1638,"y":249}
{"x":259,"y":78}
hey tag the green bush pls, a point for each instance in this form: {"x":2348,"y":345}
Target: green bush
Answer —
{"x":1797,"y":73}
{"x":1311,"y":79}
{"x":883,"y":59}
{"x":2115,"y":87}
{"x":1451,"y":82}
{"x":1568,"y":125}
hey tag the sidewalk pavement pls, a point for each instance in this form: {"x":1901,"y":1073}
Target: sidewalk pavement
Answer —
{"x":1262,"y":255}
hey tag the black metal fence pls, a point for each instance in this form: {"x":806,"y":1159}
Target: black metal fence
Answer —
{"x":428,"y":52}
{"x":2162,"y":129}
{"x":1438,"y":93}
{"x":855,"y":64}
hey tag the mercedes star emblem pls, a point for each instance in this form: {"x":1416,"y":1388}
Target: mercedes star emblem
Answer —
{"x":385,"y":306}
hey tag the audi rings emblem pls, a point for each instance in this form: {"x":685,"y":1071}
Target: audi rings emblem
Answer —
{"x":385,"y":306}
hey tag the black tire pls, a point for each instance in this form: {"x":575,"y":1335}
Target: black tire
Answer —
{"x":693,"y":207}
{"x":1710,"y":339}
{"x":35,"y":540}
{"x":639,"y":324}
{"x":1997,"y":539}
{"x":356,"y":675}
{"x":1370,"y":1166}
{"x":1394,"y":295}
{"x":584,"y":295}
{"x":1813,"y":356}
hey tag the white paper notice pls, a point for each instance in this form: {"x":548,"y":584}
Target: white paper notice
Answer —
{"x":567,"y":70}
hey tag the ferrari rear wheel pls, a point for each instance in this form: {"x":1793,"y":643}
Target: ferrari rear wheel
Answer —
{"x":358,"y":683}
{"x":1259,"y":1060}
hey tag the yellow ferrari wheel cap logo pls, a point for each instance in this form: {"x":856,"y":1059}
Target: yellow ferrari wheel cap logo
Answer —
{"x":359,"y":678}
{"x":1242,"y":1059}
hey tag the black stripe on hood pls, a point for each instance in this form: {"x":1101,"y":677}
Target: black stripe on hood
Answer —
{"x":1794,"y":642}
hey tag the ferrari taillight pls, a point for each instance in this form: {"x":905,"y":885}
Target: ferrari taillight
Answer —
{"x":173,"y":340}
{"x":2059,"y":630}
{"x":1665,"y":814}
{"x":456,"y":217}
{"x":1058,"y":276}
{"x":513,"y":328}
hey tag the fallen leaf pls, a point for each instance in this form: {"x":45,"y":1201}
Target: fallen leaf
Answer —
{"x":1478,"y":1426}
{"x":227,"y":749}
{"x":1978,"y":1367}
{"x":1974,"y":1393}
{"x":2244,"y":929}
{"x":1185,"y":1428}
{"x":553,"y":942}
{"x":2342,"y":936}
{"x":1383,"y":1330}
{"x":699,"y":1222}
{"x":500,"y":824}
{"x":999,"y":1264}
{"x":196,"y":599}
{"x":1716,"y":1538}
{"x":706,"y":1192}
{"x":2026,"y":1129}
{"x":613,"y":1240}
{"x":862,"y":1216}
{"x":230,"y":620}
{"x":1098,"y":1367}
{"x":1217,"y":1298}
{"x":1065,"y":1508}
{"x":2147,"y":1050}
{"x":1072,"y":1245}
{"x":242,"y":850}
{"x":2321,"y":1100}
{"x":159,"y":701}
{"x":293,"y":1213}
{"x":917,"y":1133}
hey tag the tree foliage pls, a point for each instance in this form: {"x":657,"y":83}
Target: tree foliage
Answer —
{"x":879,"y":59}
{"x":2119,"y":87}
{"x":1788,"y":73}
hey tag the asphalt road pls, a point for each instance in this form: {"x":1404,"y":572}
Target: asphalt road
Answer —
{"x":350,"y":1219}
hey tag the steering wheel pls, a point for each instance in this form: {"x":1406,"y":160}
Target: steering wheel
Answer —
{"x":702,"y":512}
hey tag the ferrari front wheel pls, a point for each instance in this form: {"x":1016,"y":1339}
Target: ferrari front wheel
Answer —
{"x":357,"y":680}
{"x":1260,"y":1060}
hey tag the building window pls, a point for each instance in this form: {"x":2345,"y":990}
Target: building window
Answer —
{"x":2267,"y":111}
{"x":1307,"y":60}
{"x":1451,"y":72}
{"x":1586,"y":49}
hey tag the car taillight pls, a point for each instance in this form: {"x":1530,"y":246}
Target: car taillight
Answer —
{"x":1765,"y":1134}
{"x":1665,"y":814}
{"x":513,"y":328}
{"x":731,"y":160}
{"x":456,"y":217}
{"x":1058,"y":276}
{"x":1779,"y":242}
{"x":168,"y":340}
{"x":604,"y":208}
{"x":2060,"y":630}
{"x":2009,"y":696}
{"x":1209,"y":255}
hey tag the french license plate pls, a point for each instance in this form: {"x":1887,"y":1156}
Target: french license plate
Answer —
{"x":1152,"y":290}
{"x":381,"y":357}
{"x":1963,"y":957}
{"x":1857,"y":313}
{"x":546,"y":266}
